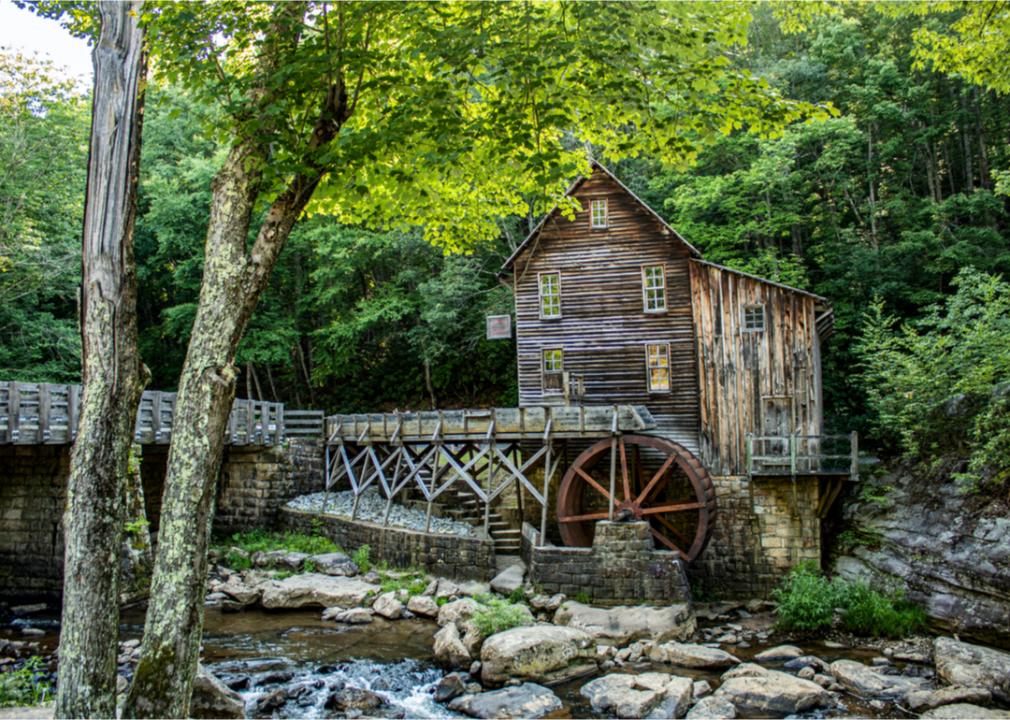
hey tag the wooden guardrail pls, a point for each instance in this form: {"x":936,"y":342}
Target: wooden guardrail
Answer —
{"x":46,"y":413}
{"x":792,"y":455}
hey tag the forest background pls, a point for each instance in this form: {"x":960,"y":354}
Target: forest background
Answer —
{"x":895,"y":209}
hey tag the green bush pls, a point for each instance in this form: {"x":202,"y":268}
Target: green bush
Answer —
{"x":362,"y":558}
{"x":495,"y":615}
{"x":871,"y":612}
{"x":806,"y":599}
{"x":25,"y":686}
{"x":415,"y":582}
{"x":262,"y":541}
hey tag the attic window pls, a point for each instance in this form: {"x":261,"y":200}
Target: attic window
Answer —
{"x":653,"y":289}
{"x":753,"y":318}
{"x":550,"y":295}
{"x":598,"y":213}
{"x":553,"y":366}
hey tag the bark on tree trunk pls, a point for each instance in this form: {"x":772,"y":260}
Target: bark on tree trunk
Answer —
{"x":113,"y":376}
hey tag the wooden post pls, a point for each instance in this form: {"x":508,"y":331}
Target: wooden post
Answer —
{"x":155,"y":417}
{"x":547,"y":474}
{"x":45,"y":402}
{"x":73,"y":409}
{"x":14,"y":403}
{"x":854,"y":455}
{"x":792,"y":456}
{"x":613,"y":464}
{"x":749,"y":452}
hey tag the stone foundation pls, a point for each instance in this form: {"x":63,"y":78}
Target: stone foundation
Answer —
{"x":621,"y":568}
{"x":763,"y":527}
{"x":440,"y":554}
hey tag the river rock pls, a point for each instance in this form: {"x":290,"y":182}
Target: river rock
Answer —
{"x":335,"y":563}
{"x":349,"y":616}
{"x":744,"y":670}
{"x":961,"y":663}
{"x":869,"y":682}
{"x":528,"y":700}
{"x":316,"y":589}
{"x":542,"y":653}
{"x":712,"y":708}
{"x":388,"y":606}
{"x":239,"y":591}
{"x":423,"y":605}
{"x":449,"y":649}
{"x":509,"y":580}
{"x":268,"y":702}
{"x":450,"y":686}
{"x":354,"y":698}
{"x":692,"y":656}
{"x":213,"y":699}
{"x":457,"y":611}
{"x":635,"y":696}
{"x":622,"y":625}
{"x":923,"y":700}
{"x":963,"y":711}
{"x":279,"y":560}
{"x":446,"y":589}
{"x":779,"y":653}
{"x":772,"y":694}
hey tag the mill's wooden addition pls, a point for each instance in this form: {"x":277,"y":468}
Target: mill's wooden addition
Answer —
{"x":613,"y":306}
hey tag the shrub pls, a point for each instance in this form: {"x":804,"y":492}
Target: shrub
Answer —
{"x":806,"y":599}
{"x":237,"y":560}
{"x":262,"y":541}
{"x":362,"y":558}
{"x":414,"y":583}
{"x":495,"y":615}
{"x":871,"y":612}
{"x":517,"y":596}
{"x":25,"y":686}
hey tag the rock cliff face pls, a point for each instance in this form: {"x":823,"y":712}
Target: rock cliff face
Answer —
{"x":951,"y":550}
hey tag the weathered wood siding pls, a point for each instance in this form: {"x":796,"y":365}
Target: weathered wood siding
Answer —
{"x":746,"y":378}
{"x":603,"y":329}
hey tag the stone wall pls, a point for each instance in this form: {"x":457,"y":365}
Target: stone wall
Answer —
{"x":440,"y":554}
{"x":621,"y":568}
{"x":763,"y":528}
{"x":32,"y":495}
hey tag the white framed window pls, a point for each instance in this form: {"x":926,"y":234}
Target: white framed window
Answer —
{"x":552,"y":366}
{"x":654,"y":288}
{"x":550,"y":295}
{"x":598,"y":213}
{"x":753,"y":318}
{"x":657,"y":362}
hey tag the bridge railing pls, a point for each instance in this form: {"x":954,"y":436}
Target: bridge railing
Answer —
{"x":46,"y":413}
{"x":792,"y":455}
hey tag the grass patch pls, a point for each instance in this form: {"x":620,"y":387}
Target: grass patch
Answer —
{"x":495,"y":615}
{"x":363,"y":558}
{"x":262,"y":541}
{"x":25,"y":686}
{"x":807,"y":601}
{"x":415,"y":582}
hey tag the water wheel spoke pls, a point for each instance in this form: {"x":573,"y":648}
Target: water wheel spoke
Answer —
{"x":589,"y":479}
{"x":665,"y":540}
{"x":625,"y":477}
{"x":583,"y":518}
{"x":654,"y":482}
{"x":669,"y":526}
{"x":679,"y":507}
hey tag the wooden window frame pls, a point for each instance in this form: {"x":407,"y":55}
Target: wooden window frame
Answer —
{"x":540,"y":295}
{"x":544,"y":372}
{"x":648,"y":368}
{"x":745,"y":324}
{"x":645,"y":290}
{"x":606,"y":214}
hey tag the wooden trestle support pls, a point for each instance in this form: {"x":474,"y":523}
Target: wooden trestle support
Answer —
{"x":493,"y":450}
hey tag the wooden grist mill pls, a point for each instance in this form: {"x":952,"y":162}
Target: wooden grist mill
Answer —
{"x":653,"y":385}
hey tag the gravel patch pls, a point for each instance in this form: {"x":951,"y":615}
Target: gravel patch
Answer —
{"x":371,"y":508}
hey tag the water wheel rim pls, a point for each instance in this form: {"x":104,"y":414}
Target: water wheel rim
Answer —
{"x":576,"y":527}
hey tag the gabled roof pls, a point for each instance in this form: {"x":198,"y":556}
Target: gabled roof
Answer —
{"x":575,"y":186}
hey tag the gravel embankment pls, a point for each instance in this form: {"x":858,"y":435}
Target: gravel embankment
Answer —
{"x":371,"y":508}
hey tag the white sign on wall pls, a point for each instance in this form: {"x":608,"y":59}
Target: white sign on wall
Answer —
{"x":499,"y":327}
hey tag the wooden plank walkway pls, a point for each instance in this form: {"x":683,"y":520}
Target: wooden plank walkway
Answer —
{"x":47,"y":414}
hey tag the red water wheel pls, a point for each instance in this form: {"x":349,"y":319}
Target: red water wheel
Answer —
{"x":654,"y":479}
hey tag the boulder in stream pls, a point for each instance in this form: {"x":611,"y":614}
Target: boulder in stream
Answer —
{"x":541,"y":653}
{"x":449,"y":650}
{"x":457,"y":611}
{"x":423,"y":605}
{"x":528,"y":700}
{"x":388,"y":606}
{"x":316,"y":589}
{"x":923,"y":700}
{"x":961,"y":663}
{"x":349,"y":616}
{"x":622,"y":625}
{"x":213,"y":699}
{"x":636,"y":696}
{"x":510,"y":579}
{"x":334,"y":563}
{"x":779,"y":653}
{"x":961,"y":711}
{"x":870,"y":682}
{"x":712,"y":708}
{"x":692,"y":656}
{"x":772,"y":694}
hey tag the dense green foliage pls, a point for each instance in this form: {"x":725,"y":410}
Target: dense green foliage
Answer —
{"x":885,"y":201}
{"x":940,"y":386}
{"x":27,"y":685}
{"x":496,"y":614}
{"x":808,"y":601}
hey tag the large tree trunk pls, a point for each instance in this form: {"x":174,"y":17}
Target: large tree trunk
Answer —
{"x":113,"y":376}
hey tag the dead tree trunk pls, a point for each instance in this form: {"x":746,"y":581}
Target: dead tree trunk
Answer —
{"x":112,"y":374}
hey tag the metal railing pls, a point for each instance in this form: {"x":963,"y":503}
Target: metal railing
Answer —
{"x":793,"y":455}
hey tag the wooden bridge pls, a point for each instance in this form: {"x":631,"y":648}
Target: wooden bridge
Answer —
{"x":47,"y":414}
